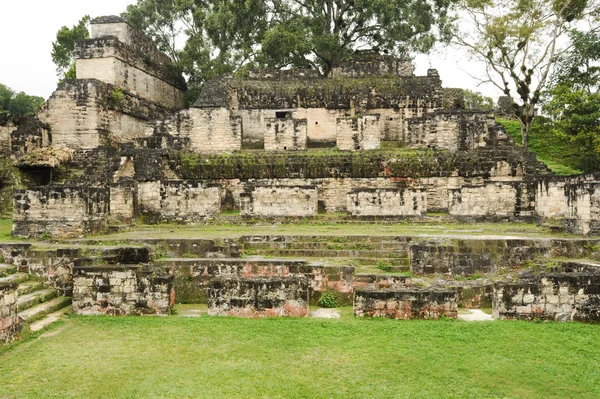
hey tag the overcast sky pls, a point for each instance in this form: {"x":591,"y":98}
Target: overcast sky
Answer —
{"x":28,"y":28}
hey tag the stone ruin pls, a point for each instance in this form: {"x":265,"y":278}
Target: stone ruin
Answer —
{"x":372,"y":141}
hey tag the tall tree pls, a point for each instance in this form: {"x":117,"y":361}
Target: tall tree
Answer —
{"x":18,"y":104}
{"x":63,"y":49}
{"x":519,"y":41}
{"x":224,"y":36}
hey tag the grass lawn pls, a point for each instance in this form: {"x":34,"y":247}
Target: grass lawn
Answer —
{"x":176,"y":357}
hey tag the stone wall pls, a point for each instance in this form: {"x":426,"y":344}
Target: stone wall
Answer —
{"x":88,"y":113}
{"x":121,"y":56}
{"x":285,"y":134}
{"x":487,"y":255}
{"x":9,"y":319}
{"x":259,"y":297}
{"x":552,"y":296}
{"x":121,"y":290}
{"x":491,"y":200}
{"x":451,"y":130}
{"x":176,"y":200}
{"x":405,"y":304}
{"x":583,"y":207}
{"x":194,"y":276}
{"x":279,"y":201}
{"x":62,"y":211}
{"x":7,"y":126}
{"x":387,"y":202}
{"x":358,"y":133}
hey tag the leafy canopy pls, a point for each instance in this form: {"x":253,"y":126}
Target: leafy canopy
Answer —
{"x":18,"y":104}
{"x":210,"y":38}
{"x":63,"y":49}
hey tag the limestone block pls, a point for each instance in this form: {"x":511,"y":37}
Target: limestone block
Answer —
{"x":280,"y":201}
{"x":285,"y":134}
{"x":405,"y":304}
{"x":387,"y":202}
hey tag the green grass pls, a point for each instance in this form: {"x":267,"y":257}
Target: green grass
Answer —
{"x":329,"y":229}
{"x":5,"y":229}
{"x":550,"y":149}
{"x":103,"y":357}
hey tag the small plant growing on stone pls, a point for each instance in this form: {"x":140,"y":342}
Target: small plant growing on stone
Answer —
{"x":383,"y":265}
{"x":327,"y":300}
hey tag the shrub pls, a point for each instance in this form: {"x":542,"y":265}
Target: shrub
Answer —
{"x":327,"y":300}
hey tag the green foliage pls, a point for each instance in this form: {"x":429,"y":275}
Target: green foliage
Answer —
{"x":217,"y":37}
{"x":384,"y":265}
{"x":519,"y":41}
{"x":18,"y":104}
{"x":117,"y":96}
{"x":63,"y":49}
{"x":550,"y":146}
{"x":476,"y":100}
{"x":327,"y":300}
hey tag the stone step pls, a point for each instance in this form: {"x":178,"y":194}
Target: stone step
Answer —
{"x":29,"y":300}
{"x":15,"y":278}
{"x":381,"y":245}
{"x":333,"y":253}
{"x":43,"y":309}
{"x":6,"y":270}
{"x":27,"y":287}
{"x":50,"y":318}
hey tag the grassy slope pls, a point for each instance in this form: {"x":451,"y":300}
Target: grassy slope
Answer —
{"x":97,"y":357}
{"x":549,"y":148}
{"x":5,"y":229}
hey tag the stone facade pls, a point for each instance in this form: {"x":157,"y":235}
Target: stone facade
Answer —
{"x":387,"y":202}
{"x":280,"y":201}
{"x":121,"y":290}
{"x":358,"y":133}
{"x":552,"y":296}
{"x":285,"y":134}
{"x":405,"y":304}
{"x":259,"y":297}
{"x":9,"y":320}
{"x":60,"y":211}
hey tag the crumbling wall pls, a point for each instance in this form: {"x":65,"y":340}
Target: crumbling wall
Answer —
{"x":60,"y":211}
{"x":285,"y":134}
{"x":387,"y":202}
{"x":552,"y":296}
{"x":279,"y":201}
{"x":492,"y":199}
{"x":583,"y":208}
{"x":88,"y":113}
{"x":9,"y":319}
{"x":452,"y":130}
{"x":358,"y":133}
{"x":176,"y":200}
{"x":259,"y":297}
{"x":118,"y":55}
{"x":121,"y":290}
{"x":405,"y":304}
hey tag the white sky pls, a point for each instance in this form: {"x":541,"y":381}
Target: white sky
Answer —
{"x":28,"y":28}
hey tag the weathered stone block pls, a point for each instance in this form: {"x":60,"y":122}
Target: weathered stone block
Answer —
{"x":9,"y":320}
{"x":387,"y":202}
{"x":405,"y":304}
{"x":280,"y":201}
{"x":551,"y":296}
{"x":259,"y":297}
{"x":121,"y":290}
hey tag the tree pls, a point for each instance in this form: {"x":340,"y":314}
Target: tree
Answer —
{"x":573,"y":102}
{"x":323,"y":33}
{"x":476,"y":100}
{"x":18,"y":104}
{"x":225,"y":36}
{"x":519,"y":42}
{"x":63,"y":49}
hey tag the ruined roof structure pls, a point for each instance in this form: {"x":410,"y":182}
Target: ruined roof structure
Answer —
{"x":372,"y":142}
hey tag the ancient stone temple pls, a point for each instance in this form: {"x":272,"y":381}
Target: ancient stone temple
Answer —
{"x":372,"y":142}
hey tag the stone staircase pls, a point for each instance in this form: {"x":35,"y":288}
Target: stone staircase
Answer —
{"x":367,"y":253}
{"x":37,"y":305}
